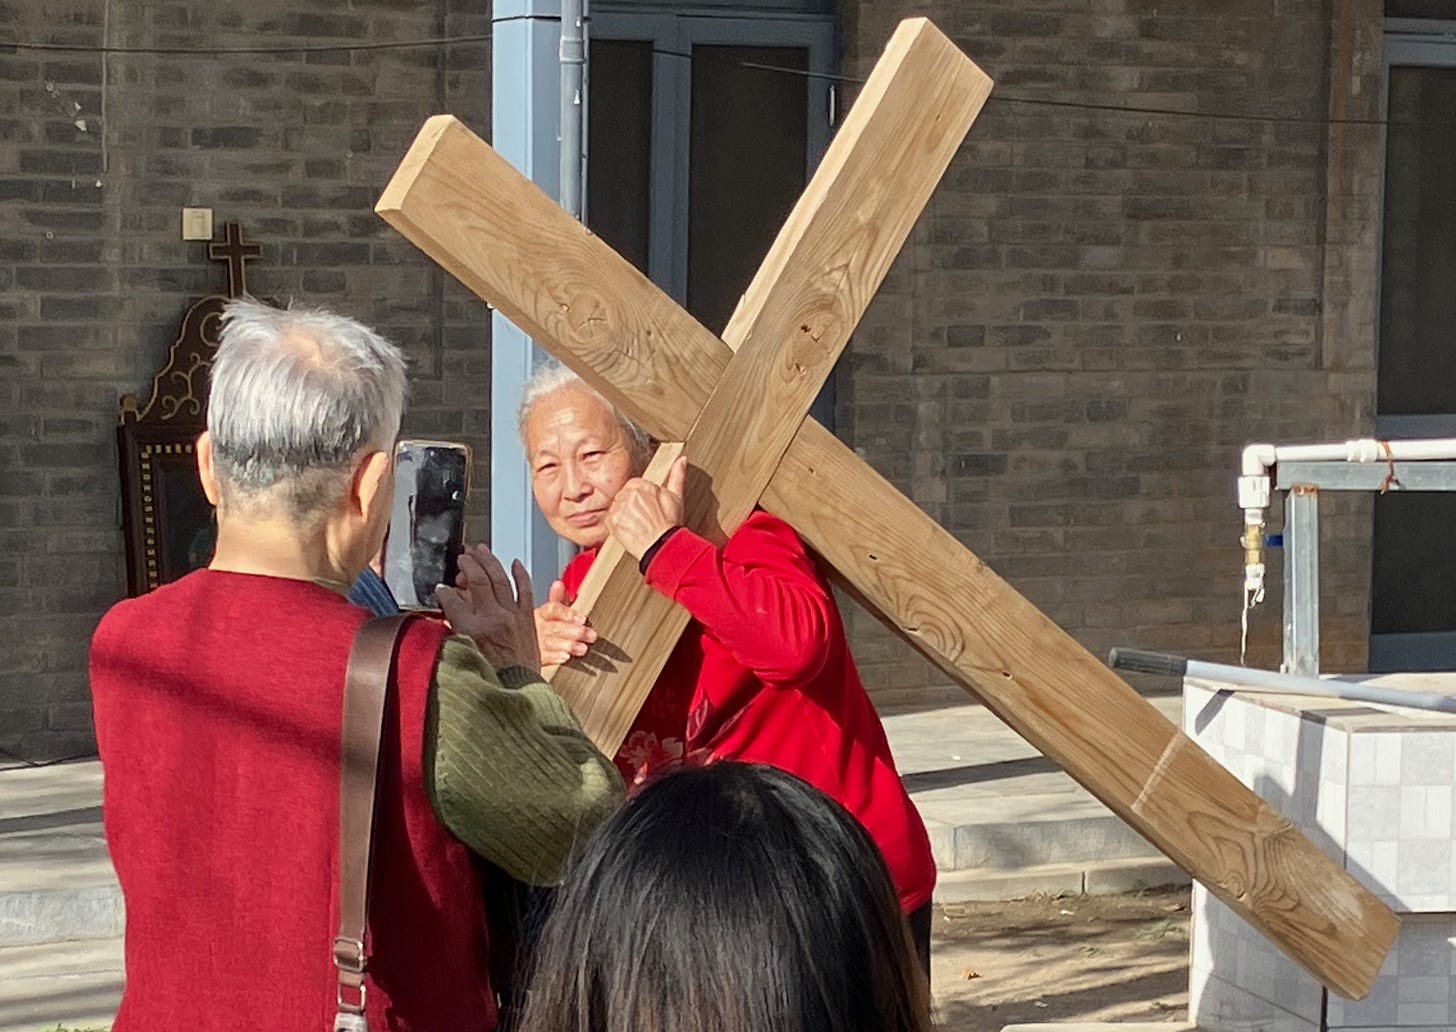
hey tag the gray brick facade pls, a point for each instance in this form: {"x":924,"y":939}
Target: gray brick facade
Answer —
{"x":97,"y":157}
{"x":1097,"y":310}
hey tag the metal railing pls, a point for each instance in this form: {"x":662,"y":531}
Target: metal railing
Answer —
{"x":1303,"y":482}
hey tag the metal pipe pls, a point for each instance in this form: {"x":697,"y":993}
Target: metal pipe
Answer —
{"x":1301,"y":582}
{"x":1270,"y":681}
{"x":572,"y":185}
{"x":573,"y":104}
{"x":1255,"y":488}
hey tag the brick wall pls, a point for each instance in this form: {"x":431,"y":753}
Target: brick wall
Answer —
{"x":1098,"y":309}
{"x":98,"y":154}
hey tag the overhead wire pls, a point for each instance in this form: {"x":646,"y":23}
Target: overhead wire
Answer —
{"x":220,"y":51}
{"x":484,"y":37}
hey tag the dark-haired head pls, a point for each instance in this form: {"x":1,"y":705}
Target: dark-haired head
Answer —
{"x":732,"y":897}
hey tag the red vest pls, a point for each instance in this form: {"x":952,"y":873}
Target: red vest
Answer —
{"x":218,"y":702}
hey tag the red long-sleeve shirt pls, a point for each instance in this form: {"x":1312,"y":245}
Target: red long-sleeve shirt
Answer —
{"x":764,"y":674}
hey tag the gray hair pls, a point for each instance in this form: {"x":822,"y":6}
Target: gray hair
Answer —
{"x":550,"y":377}
{"x":296,"y":394}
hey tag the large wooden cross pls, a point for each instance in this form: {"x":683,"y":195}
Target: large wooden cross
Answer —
{"x":739,"y":404}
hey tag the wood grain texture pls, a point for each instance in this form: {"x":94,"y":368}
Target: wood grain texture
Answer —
{"x":788,"y":331}
{"x":637,"y":628}
{"x":494,"y":230}
{"x":942,"y":599}
{"x":506,"y":240}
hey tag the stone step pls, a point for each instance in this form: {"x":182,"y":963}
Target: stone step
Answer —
{"x":56,"y":881}
{"x":991,"y":801}
{"x":1093,"y":878}
{"x":74,"y":984}
{"x":1004,"y":822}
{"x":60,"y":915}
{"x":1028,"y":830}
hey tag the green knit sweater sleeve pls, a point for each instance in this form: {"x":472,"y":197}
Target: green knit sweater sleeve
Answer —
{"x":507,"y":767}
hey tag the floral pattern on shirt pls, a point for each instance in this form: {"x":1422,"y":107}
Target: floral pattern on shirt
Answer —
{"x":643,"y":753}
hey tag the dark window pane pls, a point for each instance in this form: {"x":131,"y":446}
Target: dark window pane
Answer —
{"x":1417,"y":360}
{"x":745,"y":170}
{"x":620,"y":145}
{"x":1415,"y":556}
{"x":1420,"y":9}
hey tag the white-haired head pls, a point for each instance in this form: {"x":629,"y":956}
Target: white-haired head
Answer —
{"x":296,"y":395}
{"x":550,"y":377}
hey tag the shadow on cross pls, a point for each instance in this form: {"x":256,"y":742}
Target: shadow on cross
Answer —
{"x":602,"y":658}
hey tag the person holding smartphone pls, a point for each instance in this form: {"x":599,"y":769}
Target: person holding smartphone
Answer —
{"x":218,"y":702}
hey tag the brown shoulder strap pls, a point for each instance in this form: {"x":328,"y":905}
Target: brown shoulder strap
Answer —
{"x":366,"y":685}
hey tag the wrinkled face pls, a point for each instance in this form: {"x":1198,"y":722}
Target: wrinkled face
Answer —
{"x":580,"y":457}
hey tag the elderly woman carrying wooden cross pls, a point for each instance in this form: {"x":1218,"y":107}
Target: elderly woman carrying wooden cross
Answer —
{"x":762,"y":674}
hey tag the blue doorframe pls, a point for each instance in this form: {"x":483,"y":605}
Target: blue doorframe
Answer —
{"x":525,"y":115}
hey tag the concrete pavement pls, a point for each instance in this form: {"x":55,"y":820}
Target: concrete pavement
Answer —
{"x":1004,"y":823}
{"x":77,"y":984}
{"x":60,"y":909}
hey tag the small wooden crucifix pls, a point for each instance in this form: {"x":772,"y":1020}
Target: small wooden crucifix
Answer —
{"x":232,"y":250}
{"x":739,"y":405}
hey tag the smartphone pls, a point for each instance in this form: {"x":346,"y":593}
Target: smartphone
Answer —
{"x":427,"y":520}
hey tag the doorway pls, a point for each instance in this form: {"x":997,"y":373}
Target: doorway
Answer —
{"x":702,"y":132}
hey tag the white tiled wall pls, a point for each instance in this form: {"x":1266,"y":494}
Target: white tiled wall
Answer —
{"x":1225,"y":1005}
{"x":1377,"y":798}
{"x":1400,"y":817}
{"x":1415,"y":988}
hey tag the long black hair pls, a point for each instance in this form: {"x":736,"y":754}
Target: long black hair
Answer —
{"x":731,"y":898}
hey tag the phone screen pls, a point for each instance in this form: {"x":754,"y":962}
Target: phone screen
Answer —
{"x":427,"y":520}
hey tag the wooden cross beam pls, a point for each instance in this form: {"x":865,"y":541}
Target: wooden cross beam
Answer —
{"x":788,"y":330}
{"x":456,"y":199}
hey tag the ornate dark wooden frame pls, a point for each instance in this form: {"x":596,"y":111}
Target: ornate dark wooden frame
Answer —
{"x":163,"y":433}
